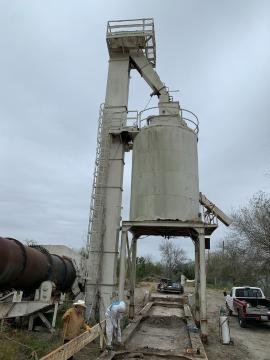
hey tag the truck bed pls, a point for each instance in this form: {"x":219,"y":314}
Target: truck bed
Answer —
{"x":250,"y":308}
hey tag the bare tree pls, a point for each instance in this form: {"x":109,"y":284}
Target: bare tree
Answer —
{"x":171,"y":256}
{"x":245,"y":258}
{"x":252,"y":223}
{"x":30,"y":242}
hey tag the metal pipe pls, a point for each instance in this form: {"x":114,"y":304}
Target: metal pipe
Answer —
{"x":25,"y":267}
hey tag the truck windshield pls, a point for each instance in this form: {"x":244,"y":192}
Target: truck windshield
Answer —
{"x":256,"y":293}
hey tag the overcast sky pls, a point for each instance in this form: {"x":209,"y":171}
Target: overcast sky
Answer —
{"x":53,"y":69}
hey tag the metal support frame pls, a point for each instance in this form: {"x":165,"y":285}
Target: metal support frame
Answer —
{"x":202,"y":288}
{"x":131,"y":262}
{"x":54,"y":314}
{"x":46,"y":322}
{"x":136,"y":33}
{"x":122,"y":272}
{"x":197,"y":283}
{"x":133,"y":277}
{"x":212,"y":212}
{"x":196,"y":231}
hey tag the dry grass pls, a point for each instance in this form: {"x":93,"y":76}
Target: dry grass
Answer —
{"x":22,"y":344}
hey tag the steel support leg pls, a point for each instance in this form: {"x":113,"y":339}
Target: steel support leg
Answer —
{"x":31,"y":323}
{"x":46,"y":322}
{"x":122,"y":274}
{"x":197,"y":284}
{"x":133,"y":278}
{"x":203,"y":311}
{"x":55,"y":314}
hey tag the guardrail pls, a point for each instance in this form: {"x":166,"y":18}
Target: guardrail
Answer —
{"x":135,"y":119}
{"x":185,"y":115}
{"x":135,"y":28}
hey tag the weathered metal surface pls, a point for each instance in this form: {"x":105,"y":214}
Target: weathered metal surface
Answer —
{"x":12,"y":261}
{"x":22,"y":267}
{"x":63,"y":273}
{"x":212,"y":209}
{"x":167,"y":228}
{"x":25,"y":268}
{"x":23,"y":308}
{"x":75,"y":345}
{"x":165,"y":182}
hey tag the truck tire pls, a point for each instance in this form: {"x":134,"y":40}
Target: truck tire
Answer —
{"x":242,"y":321}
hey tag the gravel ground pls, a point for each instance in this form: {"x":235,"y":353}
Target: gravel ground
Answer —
{"x":251,"y":343}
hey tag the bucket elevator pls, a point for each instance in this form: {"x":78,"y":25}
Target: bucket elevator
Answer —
{"x":165,"y":197}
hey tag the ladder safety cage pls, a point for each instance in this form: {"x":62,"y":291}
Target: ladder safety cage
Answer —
{"x":133,"y":34}
{"x":101,"y":167}
{"x":99,"y":178}
{"x":97,"y":204}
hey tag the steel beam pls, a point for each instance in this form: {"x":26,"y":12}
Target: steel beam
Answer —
{"x":122,"y":274}
{"x":203,"y":308}
{"x":197,"y":283}
{"x":133,"y":278}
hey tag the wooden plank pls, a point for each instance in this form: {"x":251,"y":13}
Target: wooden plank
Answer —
{"x":196,"y":343}
{"x":75,"y":345}
{"x":146,"y":308}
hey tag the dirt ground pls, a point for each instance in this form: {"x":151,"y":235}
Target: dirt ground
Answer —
{"x":251,"y":343}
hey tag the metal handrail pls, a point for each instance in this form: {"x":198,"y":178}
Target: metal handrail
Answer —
{"x":194,"y":121}
{"x":140,"y":119}
{"x":135,"y":27}
{"x":124,"y":117}
{"x":140,"y":23}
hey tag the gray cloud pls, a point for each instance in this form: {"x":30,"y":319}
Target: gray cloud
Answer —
{"x":53,"y":70}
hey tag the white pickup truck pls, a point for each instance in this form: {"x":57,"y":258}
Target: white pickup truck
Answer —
{"x":248,"y":303}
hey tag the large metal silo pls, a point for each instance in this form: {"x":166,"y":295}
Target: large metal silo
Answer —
{"x":165,"y":182}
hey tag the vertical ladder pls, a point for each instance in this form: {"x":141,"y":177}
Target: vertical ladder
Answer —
{"x":97,"y":204}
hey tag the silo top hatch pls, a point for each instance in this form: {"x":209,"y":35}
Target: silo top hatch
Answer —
{"x":126,"y":35}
